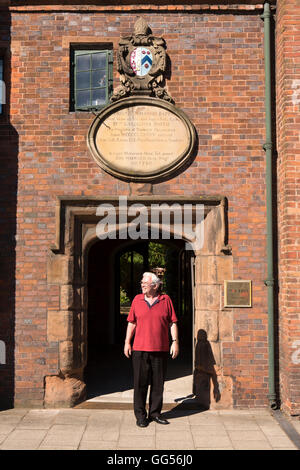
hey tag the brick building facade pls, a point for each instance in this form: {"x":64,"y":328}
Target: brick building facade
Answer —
{"x":49,"y":182}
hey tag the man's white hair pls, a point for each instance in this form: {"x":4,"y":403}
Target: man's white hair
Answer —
{"x":154,"y":279}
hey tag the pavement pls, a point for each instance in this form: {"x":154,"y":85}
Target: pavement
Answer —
{"x":115,"y":429}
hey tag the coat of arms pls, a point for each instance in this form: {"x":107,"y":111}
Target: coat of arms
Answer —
{"x":142,"y":63}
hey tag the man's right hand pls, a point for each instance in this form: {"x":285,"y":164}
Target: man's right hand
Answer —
{"x":127,"y":350}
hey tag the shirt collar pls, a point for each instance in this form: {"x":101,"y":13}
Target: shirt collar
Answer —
{"x":159,"y":298}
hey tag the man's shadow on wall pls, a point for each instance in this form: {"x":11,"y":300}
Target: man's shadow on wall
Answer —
{"x":204,"y":378}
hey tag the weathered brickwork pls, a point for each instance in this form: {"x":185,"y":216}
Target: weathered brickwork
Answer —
{"x":288,"y":121}
{"x":217,"y":78}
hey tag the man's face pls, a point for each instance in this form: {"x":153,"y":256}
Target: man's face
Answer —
{"x":146,"y":285}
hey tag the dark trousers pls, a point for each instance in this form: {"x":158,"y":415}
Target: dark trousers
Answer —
{"x":149,"y":368}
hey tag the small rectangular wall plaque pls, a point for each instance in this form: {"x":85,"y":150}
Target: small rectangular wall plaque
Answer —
{"x":237,"y":294}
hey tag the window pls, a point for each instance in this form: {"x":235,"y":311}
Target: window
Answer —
{"x":91,"y":79}
{"x":2,"y":85}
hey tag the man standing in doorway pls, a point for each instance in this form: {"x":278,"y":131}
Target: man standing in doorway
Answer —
{"x":150,"y":317}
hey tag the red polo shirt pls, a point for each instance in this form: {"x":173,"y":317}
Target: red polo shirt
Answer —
{"x":152,"y":323}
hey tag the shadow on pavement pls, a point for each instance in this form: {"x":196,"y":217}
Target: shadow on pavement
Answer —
{"x":188,"y":407}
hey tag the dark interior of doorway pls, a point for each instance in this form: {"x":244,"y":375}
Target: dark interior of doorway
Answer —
{"x":115,"y":268}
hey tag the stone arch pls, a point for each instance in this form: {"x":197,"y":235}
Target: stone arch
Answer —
{"x":67,"y":326}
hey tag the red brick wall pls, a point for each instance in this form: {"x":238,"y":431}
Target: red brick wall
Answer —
{"x":288,"y":121}
{"x":218,"y":80}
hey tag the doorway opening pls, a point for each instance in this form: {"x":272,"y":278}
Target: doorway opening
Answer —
{"x":115,"y":268}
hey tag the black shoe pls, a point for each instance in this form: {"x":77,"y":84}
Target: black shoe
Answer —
{"x":159,"y":420}
{"x":142,"y":423}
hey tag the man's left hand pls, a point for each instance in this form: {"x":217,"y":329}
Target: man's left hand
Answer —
{"x":174,"y":351}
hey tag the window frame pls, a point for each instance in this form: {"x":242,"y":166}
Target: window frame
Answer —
{"x":81,"y":49}
{"x":2,"y":79}
{"x":5,"y":57}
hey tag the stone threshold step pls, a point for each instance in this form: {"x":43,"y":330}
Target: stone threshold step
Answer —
{"x":97,"y":405}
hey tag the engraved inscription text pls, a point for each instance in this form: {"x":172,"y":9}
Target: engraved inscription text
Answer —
{"x":142,"y":139}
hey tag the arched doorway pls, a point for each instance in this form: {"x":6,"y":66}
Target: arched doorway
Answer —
{"x":114,"y":272}
{"x":67,"y":275}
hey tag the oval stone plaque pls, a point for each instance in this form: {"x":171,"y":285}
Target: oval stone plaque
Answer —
{"x":141,"y":139}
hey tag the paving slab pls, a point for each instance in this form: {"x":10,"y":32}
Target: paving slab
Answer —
{"x":211,"y":442}
{"x":282,"y":442}
{"x":296,"y":424}
{"x":173,"y":436}
{"x":205,"y":430}
{"x":21,"y":439}
{"x":252,"y":445}
{"x":96,"y":445}
{"x":136,"y":442}
{"x":102,"y":434}
{"x":59,"y":447}
{"x":14,"y":412}
{"x":11,"y":418}
{"x":38,"y":419}
{"x":7,"y":428}
{"x":272,"y":430}
{"x":205,"y":419}
{"x":64,"y":435}
{"x":177,"y":445}
{"x":133,"y":429}
{"x":257,"y":435}
{"x":2,"y":437}
{"x":67,"y":416}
